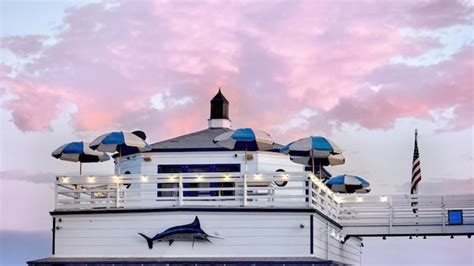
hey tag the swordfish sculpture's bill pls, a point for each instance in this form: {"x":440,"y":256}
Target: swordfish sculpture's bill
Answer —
{"x":188,"y":232}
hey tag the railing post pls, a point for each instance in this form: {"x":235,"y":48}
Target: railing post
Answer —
{"x":390,"y":219}
{"x":328,"y":234}
{"x":117,"y":194}
{"x":180,"y":190}
{"x":443,"y":209}
{"x":326,"y":203}
{"x":310,"y":191}
{"x":245,"y":190}
{"x":108,"y":196}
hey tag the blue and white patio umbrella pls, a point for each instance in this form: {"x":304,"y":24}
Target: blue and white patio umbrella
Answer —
{"x":348,"y":184}
{"x":121,"y":142}
{"x":79,"y":151}
{"x":314,"y":150}
{"x":246,"y":139}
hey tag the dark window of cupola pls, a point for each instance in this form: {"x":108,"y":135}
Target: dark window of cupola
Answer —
{"x":220,"y":110}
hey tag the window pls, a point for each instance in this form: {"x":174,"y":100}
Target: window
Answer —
{"x":199,"y":168}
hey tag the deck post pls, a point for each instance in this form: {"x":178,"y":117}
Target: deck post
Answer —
{"x":390,"y":219}
{"x":180,"y":190}
{"x":117,"y":194}
{"x":443,"y":209}
{"x":245,"y":190}
{"x":310,"y":192}
{"x":108,"y":196}
{"x":328,"y":235}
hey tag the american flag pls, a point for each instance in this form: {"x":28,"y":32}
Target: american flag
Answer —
{"x":416,"y":170}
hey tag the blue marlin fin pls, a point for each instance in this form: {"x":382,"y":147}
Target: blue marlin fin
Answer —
{"x":148,"y":240}
{"x":196,"y":223}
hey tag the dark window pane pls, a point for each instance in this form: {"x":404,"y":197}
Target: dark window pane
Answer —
{"x":198,"y":168}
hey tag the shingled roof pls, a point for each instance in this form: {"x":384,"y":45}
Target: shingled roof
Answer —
{"x":197,"y":141}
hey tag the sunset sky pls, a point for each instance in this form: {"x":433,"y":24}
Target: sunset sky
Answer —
{"x":364,"y":73}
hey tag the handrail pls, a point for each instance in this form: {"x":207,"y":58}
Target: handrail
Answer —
{"x":256,"y":190}
{"x":232,"y":189}
{"x":403,"y":210}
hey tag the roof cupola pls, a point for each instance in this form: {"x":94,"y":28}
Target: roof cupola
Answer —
{"x":219,"y":112}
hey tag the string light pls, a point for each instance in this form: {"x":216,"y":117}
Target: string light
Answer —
{"x":65,"y":180}
{"x":383,"y":198}
{"x":359,"y":199}
{"x":90,"y":179}
{"x":144,"y":178}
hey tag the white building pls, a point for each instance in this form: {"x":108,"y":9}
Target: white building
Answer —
{"x":272,"y":213}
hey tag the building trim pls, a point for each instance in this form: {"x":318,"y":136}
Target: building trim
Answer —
{"x":214,"y":210}
{"x":311,"y":234}
{"x":53,"y":247}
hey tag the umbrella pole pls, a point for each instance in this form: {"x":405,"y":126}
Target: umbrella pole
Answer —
{"x":320,"y":172}
{"x":120,"y":159}
{"x":80,"y":168}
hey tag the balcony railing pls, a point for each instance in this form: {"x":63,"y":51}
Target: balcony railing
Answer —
{"x":279,"y":190}
{"x":362,"y":213}
{"x":406,"y":214}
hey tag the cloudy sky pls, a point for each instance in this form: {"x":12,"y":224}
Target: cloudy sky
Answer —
{"x":364,"y":73}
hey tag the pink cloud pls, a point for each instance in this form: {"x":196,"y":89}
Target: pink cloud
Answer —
{"x":24,"y":45}
{"x":413,"y":92}
{"x":272,"y":60}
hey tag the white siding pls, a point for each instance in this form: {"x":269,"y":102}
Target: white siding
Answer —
{"x":243,"y":234}
{"x":327,"y":235}
{"x":261,"y":162}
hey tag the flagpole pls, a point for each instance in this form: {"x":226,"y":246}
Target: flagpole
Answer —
{"x":416,"y":174}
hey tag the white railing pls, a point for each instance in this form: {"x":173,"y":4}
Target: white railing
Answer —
{"x":257,"y":190}
{"x":403,"y":210}
{"x":302,"y":190}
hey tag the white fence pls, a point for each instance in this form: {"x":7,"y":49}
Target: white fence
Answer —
{"x":405,"y":214}
{"x":282,"y":190}
{"x":358,"y":214}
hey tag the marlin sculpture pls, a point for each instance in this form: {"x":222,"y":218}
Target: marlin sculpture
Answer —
{"x":188,"y":232}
